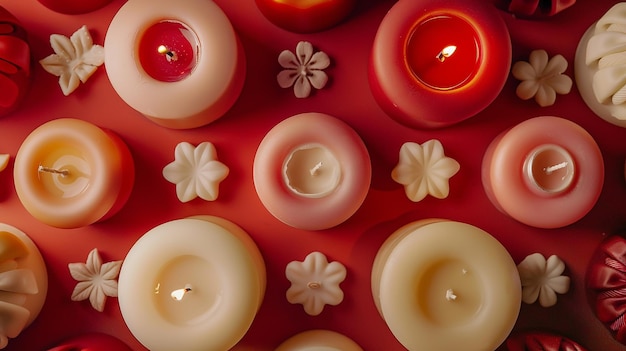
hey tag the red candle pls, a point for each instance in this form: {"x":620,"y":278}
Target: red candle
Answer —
{"x":73,"y":7}
{"x":437,"y":63}
{"x":305,"y":16}
{"x":168,"y":51}
{"x":14,"y":62}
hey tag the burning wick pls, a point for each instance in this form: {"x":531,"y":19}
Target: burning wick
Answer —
{"x":62,"y":172}
{"x":169,"y":54}
{"x":556,"y":167}
{"x":450,"y":296}
{"x":445,"y":53}
{"x":179,"y":294}
{"x":315,"y":169}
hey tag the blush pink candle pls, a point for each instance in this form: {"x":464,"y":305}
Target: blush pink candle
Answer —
{"x":546,"y":172}
{"x":312,"y":171}
{"x":435,"y":64}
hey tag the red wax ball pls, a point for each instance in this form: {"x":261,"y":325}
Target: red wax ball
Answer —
{"x":73,"y":7}
{"x":92,"y":342}
{"x":14,"y":62}
{"x":305,"y":16}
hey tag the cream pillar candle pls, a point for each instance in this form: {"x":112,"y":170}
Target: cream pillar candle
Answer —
{"x":312,"y":177}
{"x":23,"y":282}
{"x":180,"y":63}
{"x":192,"y":284}
{"x":546,"y":172}
{"x":442,"y":285}
{"x":319,"y":339}
{"x":69,"y":173}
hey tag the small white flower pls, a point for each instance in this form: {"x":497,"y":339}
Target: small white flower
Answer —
{"x":542,"y":78}
{"x":542,"y":279}
{"x":424,"y":169}
{"x":75,"y":59}
{"x":96,"y":280}
{"x":4,"y":161}
{"x":315,"y":282}
{"x":196,"y":172}
{"x":303,"y":70}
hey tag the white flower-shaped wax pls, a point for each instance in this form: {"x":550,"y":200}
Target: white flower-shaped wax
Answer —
{"x":542,"y":279}
{"x":196,"y":172}
{"x":303,"y":70}
{"x":315,"y":282}
{"x":4,"y":161}
{"x":542,"y":78}
{"x":424,"y":169}
{"x":75,"y":59}
{"x":96,"y":280}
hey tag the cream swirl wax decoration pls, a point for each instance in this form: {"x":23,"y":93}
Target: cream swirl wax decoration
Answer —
{"x":192,"y":284}
{"x":23,"y":282}
{"x":437,"y":63}
{"x":442,"y":285}
{"x":546,"y":172}
{"x":312,"y":171}
{"x":69,"y":173}
{"x":180,"y":63}
{"x":600,"y":66}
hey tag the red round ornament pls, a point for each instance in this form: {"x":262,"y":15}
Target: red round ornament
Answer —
{"x":14,"y":62}
{"x":305,"y":16}
{"x":541,"y":341}
{"x":73,"y":7}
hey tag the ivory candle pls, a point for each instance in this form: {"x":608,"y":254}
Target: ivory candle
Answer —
{"x":319,"y":339}
{"x":92,"y":342}
{"x":157,"y":52}
{"x":192,"y":284}
{"x":542,"y":178}
{"x":427,"y":55}
{"x":443,"y":285}
{"x":69,"y":173}
{"x":312,"y":178}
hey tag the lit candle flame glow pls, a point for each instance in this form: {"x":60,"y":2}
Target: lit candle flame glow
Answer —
{"x":446,"y":52}
{"x":169,"y":54}
{"x":179,"y":294}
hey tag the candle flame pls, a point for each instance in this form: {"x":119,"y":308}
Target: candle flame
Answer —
{"x":179,"y":294}
{"x":450,"y":296}
{"x":446,"y":52}
{"x":169,"y":54}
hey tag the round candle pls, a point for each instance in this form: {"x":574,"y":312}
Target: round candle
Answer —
{"x":305,"y":16}
{"x":178,"y":63}
{"x":312,"y":178}
{"x":23,"y":283}
{"x":69,"y":173}
{"x":544,"y":178}
{"x":192,"y":284}
{"x":599,"y":76}
{"x":443,"y":285}
{"x":319,"y":339}
{"x":73,"y":7}
{"x":14,"y":62}
{"x":92,"y":342}
{"x":432,"y":54}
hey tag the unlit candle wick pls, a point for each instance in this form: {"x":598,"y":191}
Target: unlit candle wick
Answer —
{"x":450,"y":296}
{"x":62,"y":172}
{"x":316,"y":168}
{"x":556,"y":167}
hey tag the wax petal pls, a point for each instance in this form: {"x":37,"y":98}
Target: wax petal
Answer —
{"x":562,"y":84}
{"x":82,"y":291}
{"x":68,"y":83}
{"x":538,"y":60}
{"x":302,"y":87}
{"x":288,"y":60}
{"x":406,"y":174}
{"x":63,"y":47}
{"x":417,"y":190}
{"x":304,"y":52}
{"x":554,"y":266}
{"x":21,"y":281}
{"x":111,"y":270}
{"x":560,"y":284}
{"x":287,"y":78}
{"x":319,"y":61}
{"x":4,"y":161}
{"x":522,"y":70}
{"x":556,"y":66}
{"x":527,"y":89}
{"x":318,"y":79}
{"x":13,"y":319}
{"x":97,"y":299}
{"x":546,"y":96}
{"x":547,"y":297}
{"x":530,"y":294}
{"x":55,"y":64}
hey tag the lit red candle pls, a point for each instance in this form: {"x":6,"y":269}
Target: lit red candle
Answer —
{"x":305,"y":16}
{"x":435,"y":64}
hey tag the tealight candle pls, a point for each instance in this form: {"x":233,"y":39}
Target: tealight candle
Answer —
{"x":442,"y":285}
{"x":92,"y":342}
{"x":14,"y":62}
{"x":305,"y":16}
{"x":319,"y":339}
{"x":432,"y":54}
{"x":198,"y":289}
{"x":69,"y":173}
{"x":541,"y":178}
{"x":312,"y":178}
{"x":185,"y":52}
{"x":23,"y":282}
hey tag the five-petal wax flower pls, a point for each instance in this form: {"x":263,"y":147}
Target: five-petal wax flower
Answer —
{"x":424,"y":169}
{"x":196,"y":172}
{"x":75,"y":59}
{"x":315,"y":282}
{"x":96,"y":280}
{"x":303,"y":70}
{"x":542,"y":279}
{"x":542,"y":78}
{"x":4,"y":161}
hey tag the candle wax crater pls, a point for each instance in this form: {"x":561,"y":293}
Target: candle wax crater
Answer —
{"x":550,"y":169}
{"x":65,"y":175}
{"x":443,"y":52}
{"x":311,"y":171}
{"x":448,"y":294}
{"x":197,"y":304}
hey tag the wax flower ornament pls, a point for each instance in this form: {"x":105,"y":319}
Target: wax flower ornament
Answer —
{"x":424,"y":169}
{"x":303,"y":70}
{"x":74,"y":60}
{"x":542,"y":279}
{"x":315,"y":282}
{"x":542,"y":78}
{"x":96,"y":280}
{"x":196,"y":172}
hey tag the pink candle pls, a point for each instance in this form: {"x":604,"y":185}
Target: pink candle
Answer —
{"x":546,"y":172}
{"x":430,"y":55}
{"x":312,"y":177}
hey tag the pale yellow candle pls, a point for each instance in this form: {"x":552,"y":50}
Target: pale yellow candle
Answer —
{"x":319,"y":340}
